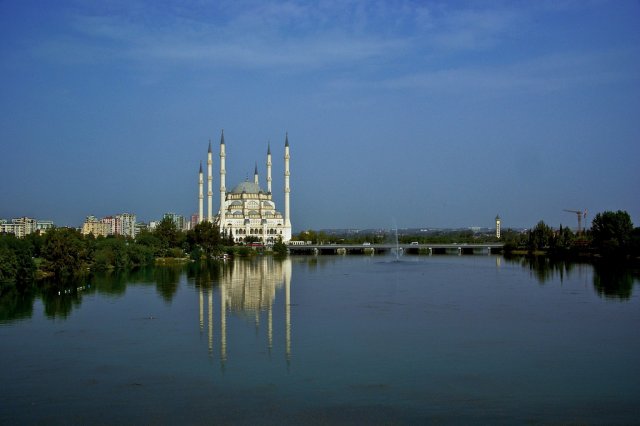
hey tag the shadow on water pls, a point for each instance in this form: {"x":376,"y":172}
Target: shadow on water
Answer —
{"x":167,"y":279}
{"x":60,"y":298}
{"x":16,"y":304}
{"x":204,"y":273}
{"x":614,"y":281}
{"x":611,"y":279}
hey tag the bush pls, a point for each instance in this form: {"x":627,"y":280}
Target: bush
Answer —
{"x":175,"y":252}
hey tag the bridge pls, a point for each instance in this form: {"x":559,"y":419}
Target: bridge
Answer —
{"x":366,"y":248}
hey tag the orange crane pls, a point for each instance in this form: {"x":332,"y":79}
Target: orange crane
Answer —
{"x":580,"y":215}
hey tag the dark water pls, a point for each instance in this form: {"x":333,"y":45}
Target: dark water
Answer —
{"x":328,"y":340}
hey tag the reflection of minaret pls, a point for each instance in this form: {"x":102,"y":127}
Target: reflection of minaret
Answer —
{"x":210,"y":321}
{"x":223,"y":322}
{"x":201,"y":310}
{"x":248,"y":288}
{"x":287,"y":303}
{"x":270,"y":327}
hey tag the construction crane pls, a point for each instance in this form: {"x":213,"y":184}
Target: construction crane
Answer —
{"x":581,"y":215}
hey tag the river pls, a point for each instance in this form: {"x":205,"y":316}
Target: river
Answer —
{"x":327,"y":340}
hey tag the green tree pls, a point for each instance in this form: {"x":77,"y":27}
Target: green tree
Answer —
{"x":634,"y":243}
{"x":26,"y":267}
{"x":64,"y":252}
{"x":16,"y":261}
{"x":149,"y":240}
{"x":207,"y":236}
{"x":563,"y":238}
{"x":280,"y":248}
{"x":540,"y":237}
{"x":309,"y":235}
{"x":612,"y":231}
{"x":8,"y":264}
{"x":139,"y":254}
{"x":168,"y":235}
{"x":111,"y":252}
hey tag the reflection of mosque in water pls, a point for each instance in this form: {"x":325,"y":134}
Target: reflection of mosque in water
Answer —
{"x":248,"y":288}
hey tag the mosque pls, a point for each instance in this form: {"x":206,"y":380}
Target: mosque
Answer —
{"x":247,"y":210}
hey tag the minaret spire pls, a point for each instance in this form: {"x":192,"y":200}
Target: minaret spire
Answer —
{"x":200,"y":194}
{"x":286,"y":235}
{"x":269,"y":167}
{"x":255,"y":175}
{"x":209,"y":185}
{"x":223,"y":190}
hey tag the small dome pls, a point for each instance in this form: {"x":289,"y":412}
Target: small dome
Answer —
{"x":248,"y":187}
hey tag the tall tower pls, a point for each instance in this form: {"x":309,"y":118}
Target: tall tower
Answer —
{"x":287,"y":218}
{"x":223,"y":172}
{"x":200,"y":195}
{"x":269,"y":168}
{"x":255,"y":175}
{"x":497,"y":226}
{"x":209,"y":185}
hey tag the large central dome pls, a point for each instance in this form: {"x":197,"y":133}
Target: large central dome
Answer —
{"x":247,"y":187}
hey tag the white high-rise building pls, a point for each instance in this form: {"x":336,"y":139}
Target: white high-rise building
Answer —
{"x":248,"y":210}
{"x":20,"y":226}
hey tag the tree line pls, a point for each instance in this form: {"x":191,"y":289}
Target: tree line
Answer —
{"x":611,"y":234}
{"x":63,"y":252}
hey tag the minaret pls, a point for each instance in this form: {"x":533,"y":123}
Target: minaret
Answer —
{"x":209,"y":185}
{"x":287,"y":218}
{"x":255,"y":175}
{"x":269,"y":168}
{"x":223,"y":173}
{"x":497,"y":226}
{"x":200,"y":195}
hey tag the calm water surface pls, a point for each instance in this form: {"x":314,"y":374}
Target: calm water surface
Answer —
{"x":328,"y":340}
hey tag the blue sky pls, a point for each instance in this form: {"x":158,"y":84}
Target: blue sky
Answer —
{"x":423,"y":114}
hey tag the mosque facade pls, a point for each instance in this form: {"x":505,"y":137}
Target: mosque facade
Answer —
{"x":247,"y":210}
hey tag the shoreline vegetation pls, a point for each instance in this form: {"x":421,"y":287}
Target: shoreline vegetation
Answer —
{"x":611,"y":237}
{"x":63,"y":253}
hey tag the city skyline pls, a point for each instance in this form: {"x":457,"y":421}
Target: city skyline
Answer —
{"x":404,"y":114}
